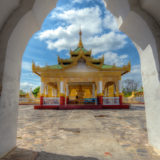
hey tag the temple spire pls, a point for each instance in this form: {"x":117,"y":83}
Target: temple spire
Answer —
{"x":80,"y":45}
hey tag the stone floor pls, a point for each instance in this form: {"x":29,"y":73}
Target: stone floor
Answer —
{"x":82,"y":135}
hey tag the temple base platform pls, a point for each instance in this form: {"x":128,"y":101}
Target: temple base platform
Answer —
{"x":71,"y":107}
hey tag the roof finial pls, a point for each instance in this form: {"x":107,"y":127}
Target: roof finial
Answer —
{"x":80,"y":45}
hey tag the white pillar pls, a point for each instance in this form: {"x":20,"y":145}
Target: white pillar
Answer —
{"x":61,"y":87}
{"x":115,"y":88}
{"x":99,"y":87}
{"x":93,"y":90}
{"x":67,"y":90}
{"x":42,"y":88}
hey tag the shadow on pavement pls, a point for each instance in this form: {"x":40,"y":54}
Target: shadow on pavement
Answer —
{"x":23,"y":154}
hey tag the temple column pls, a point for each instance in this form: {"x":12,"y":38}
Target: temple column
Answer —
{"x":93,"y":90}
{"x":67,"y":94}
{"x":120,"y":86}
{"x":117,"y":88}
{"x":46,"y":90}
{"x":42,"y":93}
{"x":100,"y":93}
{"x":120,"y":92}
{"x":42,"y":88}
{"x":62,"y":93}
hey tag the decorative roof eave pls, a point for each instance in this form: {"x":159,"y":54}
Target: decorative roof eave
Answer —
{"x":74,"y":60}
{"x":100,"y":60}
{"x":81,"y":50}
{"x":39,"y":70}
{"x":87,"y":59}
{"x":35,"y":69}
{"x":124,"y":69}
{"x":65,"y":60}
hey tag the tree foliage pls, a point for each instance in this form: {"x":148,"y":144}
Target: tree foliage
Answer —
{"x":36,"y":91}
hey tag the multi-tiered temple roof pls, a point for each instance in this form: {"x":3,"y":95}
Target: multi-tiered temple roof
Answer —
{"x":80,"y":53}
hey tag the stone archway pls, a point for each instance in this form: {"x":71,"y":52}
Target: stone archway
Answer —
{"x":21,"y":23}
{"x":135,"y":18}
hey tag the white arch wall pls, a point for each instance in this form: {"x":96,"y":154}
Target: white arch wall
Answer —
{"x":26,"y":27}
{"x":10,"y":83}
{"x":142,"y":36}
{"x":136,"y":23}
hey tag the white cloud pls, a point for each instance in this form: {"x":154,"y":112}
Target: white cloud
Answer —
{"x":88,"y":18}
{"x":26,"y":86}
{"x":91,"y":24}
{"x":84,"y":1}
{"x":113,"y":58}
{"x":136,"y":69}
{"x":110,"y":23}
{"x":106,"y":42}
{"x":27,"y":66}
{"x":78,"y":1}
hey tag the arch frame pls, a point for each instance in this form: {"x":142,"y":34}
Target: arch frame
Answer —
{"x":127,"y":12}
{"x":145,"y":36}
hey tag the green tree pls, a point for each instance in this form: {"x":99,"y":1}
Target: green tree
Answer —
{"x":36,"y":91}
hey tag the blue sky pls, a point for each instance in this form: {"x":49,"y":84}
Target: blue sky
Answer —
{"x":59,"y":33}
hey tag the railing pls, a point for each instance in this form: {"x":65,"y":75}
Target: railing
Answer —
{"x":73,"y":100}
{"x":51,"y":101}
{"x":29,"y":100}
{"x":90,"y":101}
{"x":110,"y":100}
{"x":133,"y":99}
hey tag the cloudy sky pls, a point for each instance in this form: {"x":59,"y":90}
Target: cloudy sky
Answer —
{"x":59,"y":34}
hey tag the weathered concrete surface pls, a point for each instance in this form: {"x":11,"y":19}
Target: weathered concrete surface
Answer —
{"x":82,"y":135}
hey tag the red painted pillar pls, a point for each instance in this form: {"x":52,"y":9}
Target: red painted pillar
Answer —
{"x":120,"y":100}
{"x":67,"y":100}
{"x":97,"y":99}
{"x":100,"y":99}
{"x":62,"y":99}
{"x":41,"y":100}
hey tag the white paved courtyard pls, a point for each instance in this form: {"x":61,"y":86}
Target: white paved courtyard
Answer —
{"x":82,"y":135}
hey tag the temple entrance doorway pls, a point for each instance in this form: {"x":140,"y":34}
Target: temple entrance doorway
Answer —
{"x":110,"y":89}
{"x":81,"y":93}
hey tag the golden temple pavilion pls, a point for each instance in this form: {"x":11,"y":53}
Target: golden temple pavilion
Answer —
{"x":81,"y":76}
